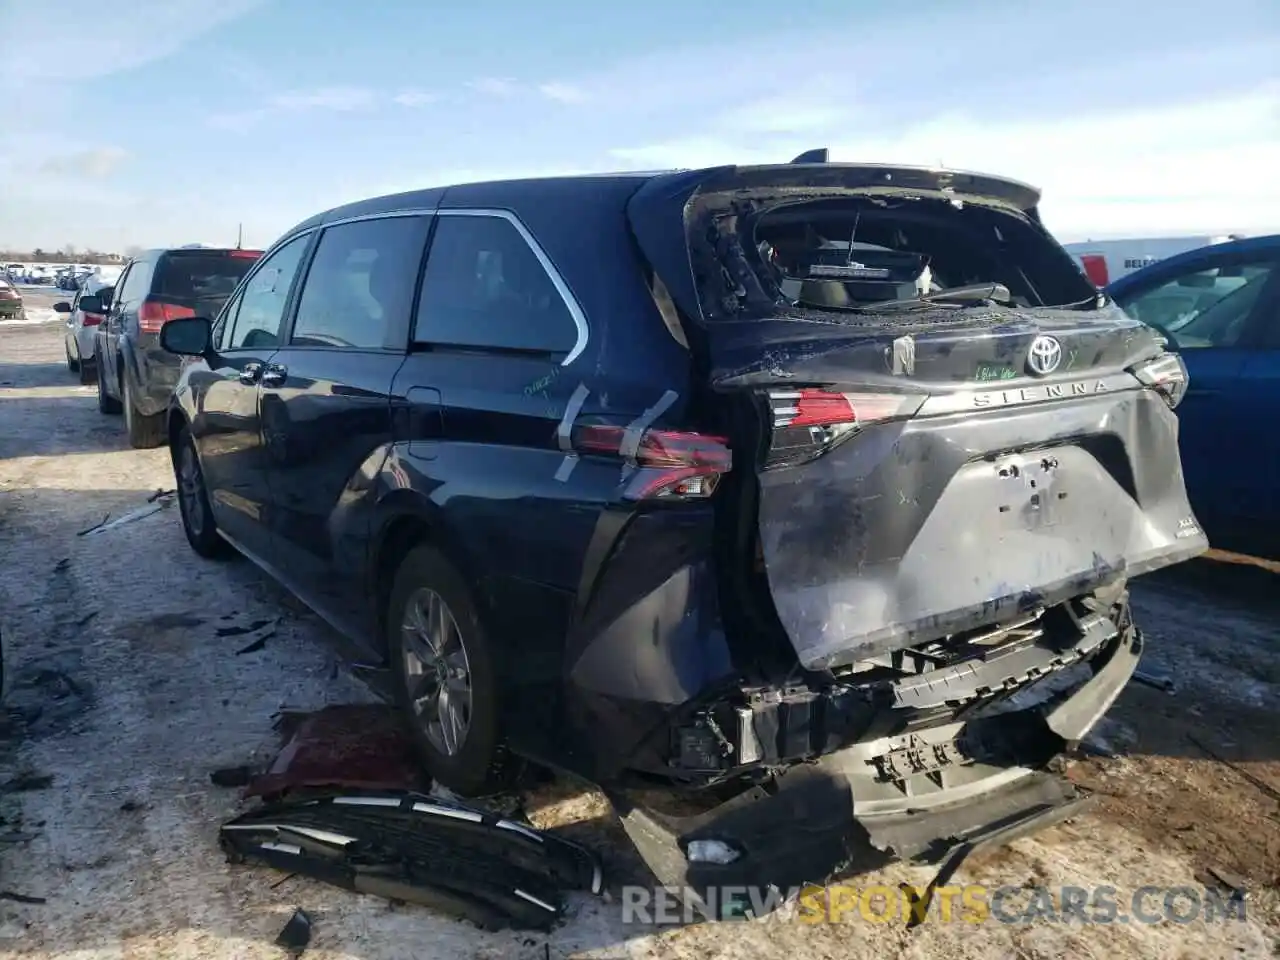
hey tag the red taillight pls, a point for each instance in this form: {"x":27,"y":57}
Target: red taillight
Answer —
{"x":818,"y":408}
{"x":1095,"y":268}
{"x":809,"y":421}
{"x":811,"y":407}
{"x":246,"y":254}
{"x":93,"y":319}
{"x":669,"y":464}
{"x":154,"y":314}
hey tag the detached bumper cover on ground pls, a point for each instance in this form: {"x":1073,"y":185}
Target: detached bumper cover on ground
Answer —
{"x":494,"y":872}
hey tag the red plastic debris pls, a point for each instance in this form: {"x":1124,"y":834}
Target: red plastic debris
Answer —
{"x":352,"y":746}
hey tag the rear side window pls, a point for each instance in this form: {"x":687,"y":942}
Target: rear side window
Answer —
{"x":188,"y":275}
{"x":485,"y":287}
{"x":359,"y":290}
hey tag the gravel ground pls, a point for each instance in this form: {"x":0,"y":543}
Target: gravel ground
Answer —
{"x":129,"y":700}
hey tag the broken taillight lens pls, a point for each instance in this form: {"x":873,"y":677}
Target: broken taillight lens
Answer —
{"x":1166,"y":375}
{"x":667,"y":464}
{"x":812,"y":407}
{"x":808,"y":421}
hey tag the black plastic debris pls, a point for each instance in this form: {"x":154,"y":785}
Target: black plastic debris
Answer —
{"x":20,"y":897}
{"x":296,"y":934}
{"x":88,"y":530}
{"x":409,"y":847}
{"x":154,"y":505}
{"x":239,"y":776}
{"x":24,"y":782}
{"x":258,"y":632}
{"x":237,"y":630}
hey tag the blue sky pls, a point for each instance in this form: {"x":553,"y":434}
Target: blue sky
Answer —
{"x":140,"y":122}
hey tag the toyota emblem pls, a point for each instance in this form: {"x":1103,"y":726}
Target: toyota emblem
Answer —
{"x":1044,"y":356}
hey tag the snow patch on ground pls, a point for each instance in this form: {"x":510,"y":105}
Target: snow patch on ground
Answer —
{"x":34,"y":317}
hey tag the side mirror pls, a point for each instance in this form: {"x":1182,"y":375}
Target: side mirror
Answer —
{"x":62,"y":307}
{"x":88,"y":304}
{"x":188,"y":336}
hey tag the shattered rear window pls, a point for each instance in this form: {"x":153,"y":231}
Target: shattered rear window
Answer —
{"x":845,"y":253}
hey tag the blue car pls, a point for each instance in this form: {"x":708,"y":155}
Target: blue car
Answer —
{"x":1219,"y":307}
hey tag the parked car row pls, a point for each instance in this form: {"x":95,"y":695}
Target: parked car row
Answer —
{"x":10,"y":302}
{"x":112,"y":329}
{"x":31,"y":274}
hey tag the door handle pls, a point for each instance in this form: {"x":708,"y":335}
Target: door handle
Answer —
{"x":274,"y":375}
{"x":250,"y":373}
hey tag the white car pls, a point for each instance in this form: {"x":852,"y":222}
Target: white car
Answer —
{"x":82,"y":325}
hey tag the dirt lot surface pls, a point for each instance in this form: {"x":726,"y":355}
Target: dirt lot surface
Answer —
{"x":119,"y":690}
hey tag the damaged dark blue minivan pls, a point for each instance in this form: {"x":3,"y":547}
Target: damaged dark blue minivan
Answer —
{"x":804,"y":494}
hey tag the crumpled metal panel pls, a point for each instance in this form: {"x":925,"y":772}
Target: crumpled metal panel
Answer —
{"x":912,"y":531}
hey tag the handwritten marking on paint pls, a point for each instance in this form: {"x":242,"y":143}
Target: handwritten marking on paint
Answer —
{"x":542,"y":384}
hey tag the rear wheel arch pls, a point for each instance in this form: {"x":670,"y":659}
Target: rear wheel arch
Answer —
{"x":408,"y":521}
{"x":174,"y":426}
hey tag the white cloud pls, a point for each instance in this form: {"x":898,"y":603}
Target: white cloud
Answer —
{"x":334,"y":99}
{"x":781,"y":115}
{"x":341,"y":99}
{"x":493,"y":86}
{"x":237,"y":121}
{"x":563,"y":92}
{"x":105,"y":40}
{"x":1201,"y":164}
{"x":414,"y":98}
{"x":95,"y":163}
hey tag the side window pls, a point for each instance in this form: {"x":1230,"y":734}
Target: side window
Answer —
{"x":225,"y":320}
{"x":124,"y":278}
{"x":260,"y":311}
{"x":359,"y":289}
{"x":485,"y":287}
{"x":134,"y":283}
{"x":1208,"y":307}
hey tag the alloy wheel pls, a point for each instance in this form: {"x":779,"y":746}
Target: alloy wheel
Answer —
{"x":436,"y":671}
{"x":190,"y":490}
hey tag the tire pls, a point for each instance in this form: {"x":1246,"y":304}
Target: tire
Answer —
{"x":479,"y":764}
{"x":145,"y":433}
{"x":72,"y":363}
{"x":88,"y":371}
{"x":106,"y":403}
{"x":193,"y":502}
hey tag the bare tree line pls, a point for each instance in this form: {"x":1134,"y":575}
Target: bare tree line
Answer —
{"x":68,"y":253}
